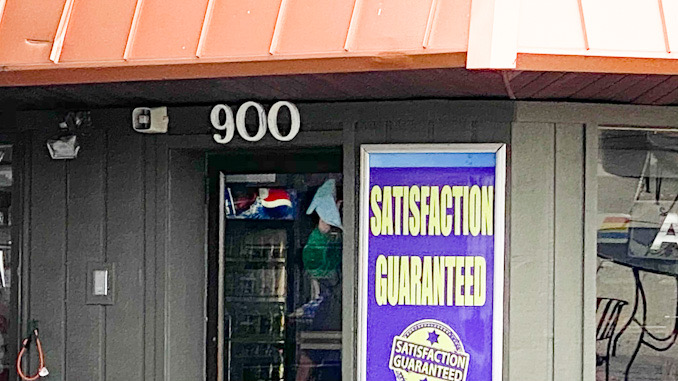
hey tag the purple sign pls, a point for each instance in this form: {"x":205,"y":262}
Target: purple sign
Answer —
{"x":432,"y":232}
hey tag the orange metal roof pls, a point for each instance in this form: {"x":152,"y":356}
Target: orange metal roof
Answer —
{"x":76,"y":41}
{"x":37,"y":37}
{"x":613,"y":36}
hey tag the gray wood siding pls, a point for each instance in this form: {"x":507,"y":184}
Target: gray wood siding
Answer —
{"x":88,"y":209}
{"x":87,"y":232}
{"x":568,"y":261}
{"x":546,"y":223}
{"x":125,"y":248}
{"x":138,"y":201}
{"x":546,"y":251}
{"x":531,"y":252}
{"x":47,"y":263}
{"x":185,"y":268}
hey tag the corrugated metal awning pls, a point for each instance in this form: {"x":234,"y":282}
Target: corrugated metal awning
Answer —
{"x":199,"y":38}
{"x":78,"y":41}
{"x":611,"y":36}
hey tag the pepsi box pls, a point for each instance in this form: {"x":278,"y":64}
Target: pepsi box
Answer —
{"x":259,"y":203}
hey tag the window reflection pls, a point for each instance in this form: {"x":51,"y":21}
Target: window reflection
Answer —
{"x":637,"y":272}
{"x":6,"y":182}
{"x":281,"y":254}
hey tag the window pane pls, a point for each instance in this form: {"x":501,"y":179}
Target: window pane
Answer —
{"x":281,"y":252}
{"x":637,"y":272}
{"x":6,"y":274}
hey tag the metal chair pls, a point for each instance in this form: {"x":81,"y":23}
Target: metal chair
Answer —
{"x":608,"y":311}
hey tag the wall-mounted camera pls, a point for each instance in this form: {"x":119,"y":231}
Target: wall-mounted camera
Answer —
{"x":150,"y":120}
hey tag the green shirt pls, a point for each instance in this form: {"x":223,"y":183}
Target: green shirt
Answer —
{"x":322,"y":254}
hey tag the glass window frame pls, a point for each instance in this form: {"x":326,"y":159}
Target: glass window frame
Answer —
{"x":17,"y":321}
{"x":594,"y":148}
{"x":242,"y":161}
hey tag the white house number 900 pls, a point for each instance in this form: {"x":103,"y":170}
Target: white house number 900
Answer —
{"x":222,"y":120}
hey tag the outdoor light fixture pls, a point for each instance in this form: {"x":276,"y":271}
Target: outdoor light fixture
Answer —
{"x":64,"y":145}
{"x":149,"y":120}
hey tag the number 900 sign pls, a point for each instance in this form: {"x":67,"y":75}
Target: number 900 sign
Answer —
{"x":222,"y":120}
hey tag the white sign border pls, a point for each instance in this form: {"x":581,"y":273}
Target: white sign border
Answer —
{"x":499,"y":149}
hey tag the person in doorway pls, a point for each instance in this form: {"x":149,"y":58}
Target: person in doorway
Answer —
{"x":322,"y":261}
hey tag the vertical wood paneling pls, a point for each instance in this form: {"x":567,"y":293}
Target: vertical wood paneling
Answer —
{"x":21,"y":204}
{"x":161,"y":274}
{"x":150,"y":303}
{"x":350,"y":253}
{"x":85,"y":356}
{"x":491,"y":132}
{"x":125,"y":248}
{"x":569,"y":240}
{"x":371,"y":132}
{"x":531,"y":252}
{"x":461,"y":131}
{"x":91,"y":208}
{"x":132,"y":200}
{"x":186,"y":267}
{"x":47,"y":264}
{"x":590,"y":252}
{"x":408,"y":131}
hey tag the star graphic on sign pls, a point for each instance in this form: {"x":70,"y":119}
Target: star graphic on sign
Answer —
{"x":433,"y":337}
{"x":424,"y":379}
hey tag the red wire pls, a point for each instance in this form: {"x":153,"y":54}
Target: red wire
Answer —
{"x":21,"y":355}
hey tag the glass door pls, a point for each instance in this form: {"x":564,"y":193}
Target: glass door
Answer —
{"x":253,"y":280}
{"x":278,"y":272}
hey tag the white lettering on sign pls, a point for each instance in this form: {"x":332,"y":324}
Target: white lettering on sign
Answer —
{"x":222,"y":120}
{"x":667,"y":233}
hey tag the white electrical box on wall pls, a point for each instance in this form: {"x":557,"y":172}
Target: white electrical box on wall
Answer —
{"x":100,"y":287}
{"x":100,"y":283}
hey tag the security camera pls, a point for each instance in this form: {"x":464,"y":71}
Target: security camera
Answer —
{"x":150,"y":120}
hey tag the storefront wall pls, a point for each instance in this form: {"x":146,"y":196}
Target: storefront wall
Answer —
{"x":139,"y":201}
